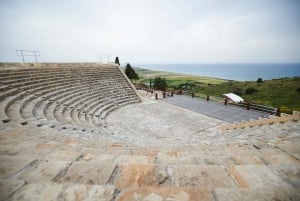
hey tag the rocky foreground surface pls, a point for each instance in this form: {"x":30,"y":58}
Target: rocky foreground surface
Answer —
{"x":154,"y":158}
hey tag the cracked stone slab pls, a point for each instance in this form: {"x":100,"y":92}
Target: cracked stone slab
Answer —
{"x":38,"y":191}
{"x":292,"y":148}
{"x":165,"y":194}
{"x":9,"y":186}
{"x":50,"y":191}
{"x":123,"y":159}
{"x":261,"y":194}
{"x":83,"y":172}
{"x":11,"y":165}
{"x":137,"y":175}
{"x":209,"y":176}
{"x":256,"y":176}
{"x":62,"y":155}
{"x":87,"y":192}
{"x":45,"y":171}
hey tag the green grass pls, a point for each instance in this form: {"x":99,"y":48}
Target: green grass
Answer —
{"x":283,"y":93}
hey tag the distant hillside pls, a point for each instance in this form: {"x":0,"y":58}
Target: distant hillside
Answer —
{"x":283,"y":92}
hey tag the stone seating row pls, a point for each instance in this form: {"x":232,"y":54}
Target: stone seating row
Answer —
{"x":78,"y":99}
{"x":263,"y":121}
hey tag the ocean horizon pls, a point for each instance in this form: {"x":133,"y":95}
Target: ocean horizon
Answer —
{"x":234,"y":71}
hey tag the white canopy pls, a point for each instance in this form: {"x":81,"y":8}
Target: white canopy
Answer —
{"x":234,"y":98}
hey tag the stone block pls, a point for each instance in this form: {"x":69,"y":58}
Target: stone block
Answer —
{"x":83,"y":172}
{"x":38,"y":191}
{"x":137,"y":175}
{"x":45,"y":171}
{"x":261,"y":194}
{"x":165,"y":194}
{"x":256,"y":176}
{"x":87,"y":192}
{"x":209,"y":176}
{"x":9,"y":186}
{"x":62,"y":155}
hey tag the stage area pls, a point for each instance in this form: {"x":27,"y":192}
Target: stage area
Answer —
{"x":228,"y":113}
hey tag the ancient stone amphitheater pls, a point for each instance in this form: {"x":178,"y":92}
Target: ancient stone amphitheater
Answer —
{"x":80,"y":131}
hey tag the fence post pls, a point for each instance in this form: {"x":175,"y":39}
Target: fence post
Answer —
{"x":207,"y":97}
{"x":248,"y":105}
{"x":193,"y":94}
{"x":278,"y":112}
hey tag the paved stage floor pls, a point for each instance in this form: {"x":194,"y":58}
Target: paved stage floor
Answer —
{"x":228,"y":113}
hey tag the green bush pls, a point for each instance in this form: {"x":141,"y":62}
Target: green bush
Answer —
{"x":160,"y":83}
{"x":250,"y":90}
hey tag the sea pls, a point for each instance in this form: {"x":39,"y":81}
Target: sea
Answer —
{"x":236,"y":71}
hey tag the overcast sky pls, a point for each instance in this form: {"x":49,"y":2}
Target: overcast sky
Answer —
{"x":152,"y":31}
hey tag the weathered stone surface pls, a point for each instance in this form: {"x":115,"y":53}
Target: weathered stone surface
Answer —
{"x":87,"y":192}
{"x":125,"y":159}
{"x":258,"y":194}
{"x":46,"y":191}
{"x":256,"y":176}
{"x":209,"y":176}
{"x":165,"y":194}
{"x":8,"y":187}
{"x":292,"y":148}
{"x":137,"y":175}
{"x":62,"y":155}
{"x":45,"y":171}
{"x":10,"y":165}
{"x":83,"y":172}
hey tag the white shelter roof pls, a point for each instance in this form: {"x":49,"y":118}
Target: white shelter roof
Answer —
{"x":234,"y":98}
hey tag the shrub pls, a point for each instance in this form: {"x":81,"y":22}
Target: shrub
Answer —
{"x":160,"y":83}
{"x":238,"y":91}
{"x":259,"y":80}
{"x":250,"y":90}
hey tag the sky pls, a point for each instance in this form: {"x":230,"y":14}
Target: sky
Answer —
{"x":152,"y":31}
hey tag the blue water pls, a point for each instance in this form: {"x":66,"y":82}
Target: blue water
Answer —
{"x":241,"y":72}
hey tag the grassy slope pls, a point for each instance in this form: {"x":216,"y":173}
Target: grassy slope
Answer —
{"x":281,"y":93}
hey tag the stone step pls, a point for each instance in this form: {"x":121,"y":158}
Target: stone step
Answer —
{"x":49,"y":191}
{"x":165,"y":194}
{"x":259,"y":194}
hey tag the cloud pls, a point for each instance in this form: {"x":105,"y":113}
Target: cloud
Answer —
{"x":152,"y":31}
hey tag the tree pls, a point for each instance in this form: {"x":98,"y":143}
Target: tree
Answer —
{"x":131,"y":74}
{"x":117,"y":61}
{"x":259,"y":80}
{"x":160,"y":83}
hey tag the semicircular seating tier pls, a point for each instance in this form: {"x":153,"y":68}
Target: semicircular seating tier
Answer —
{"x":64,"y":96}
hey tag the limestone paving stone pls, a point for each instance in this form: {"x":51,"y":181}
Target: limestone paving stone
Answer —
{"x":82,"y":192}
{"x":137,"y":175}
{"x":209,"y":176}
{"x":256,"y":176}
{"x":165,"y":194}
{"x":10,"y":165}
{"x":63,"y":155}
{"x":83,"y":172}
{"x":257,"y":194}
{"x":9,"y":186}
{"x":45,"y":171}
{"x":47,"y":191}
{"x":124,"y":159}
{"x":291,"y":147}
